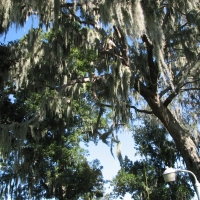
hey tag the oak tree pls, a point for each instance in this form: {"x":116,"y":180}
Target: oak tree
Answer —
{"x":145,"y":59}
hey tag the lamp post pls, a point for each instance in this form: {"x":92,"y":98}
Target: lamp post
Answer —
{"x":169,"y":175}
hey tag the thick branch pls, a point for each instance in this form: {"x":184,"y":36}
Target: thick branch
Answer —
{"x":153,"y":68}
{"x":170,"y":98}
{"x":176,"y":92}
{"x":143,"y":90}
{"x":165,"y":91}
{"x":98,"y":119}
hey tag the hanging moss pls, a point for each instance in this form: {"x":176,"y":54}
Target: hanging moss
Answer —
{"x":55,"y":64}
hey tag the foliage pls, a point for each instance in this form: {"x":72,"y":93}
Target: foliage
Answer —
{"x":51,"y":168}
{"x":121,"y":57}
{"x":50,"y":163}
{"x":43,"y":159}
{"x":143,"y":179}
{"x":7,"y":59}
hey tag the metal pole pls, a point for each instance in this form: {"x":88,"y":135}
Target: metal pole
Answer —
{"x":197,"y":184}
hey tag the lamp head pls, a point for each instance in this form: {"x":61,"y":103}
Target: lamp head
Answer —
{"x":169,"y":174}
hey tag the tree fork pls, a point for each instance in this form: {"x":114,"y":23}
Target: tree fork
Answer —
{"x":181,"y":137}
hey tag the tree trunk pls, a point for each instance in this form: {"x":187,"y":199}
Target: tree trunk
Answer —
{"x":181,"y":137}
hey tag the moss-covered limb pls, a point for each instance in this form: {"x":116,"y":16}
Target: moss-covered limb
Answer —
{"x":153,"y":67}
{"x":123,"y":45}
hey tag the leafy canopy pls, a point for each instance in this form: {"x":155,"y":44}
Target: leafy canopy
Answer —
{"x":122,"y":57}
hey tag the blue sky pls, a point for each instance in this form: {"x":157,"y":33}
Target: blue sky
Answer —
{"x":101,"y":151}
{"x":111,"y":164}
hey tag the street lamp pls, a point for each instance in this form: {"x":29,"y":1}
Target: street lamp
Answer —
{"x":169,"y":175}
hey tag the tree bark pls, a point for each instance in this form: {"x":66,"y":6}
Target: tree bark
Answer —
{"x":181,"y":137}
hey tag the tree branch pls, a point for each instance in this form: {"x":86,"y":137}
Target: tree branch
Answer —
{"x":153,"y":68}
{"x":80,"y":80}
{"x":98,"y":119}
{"x":112,"y":53}
{"x":139,"y":110}
{"x":89,"y":21}
{"x":188,"y":89}
{"x":165,"y":91}
{"x":123,"y":48}
{"x":130,"y":106}
{"x":170,"y":98}
{"x":176,"y":92}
